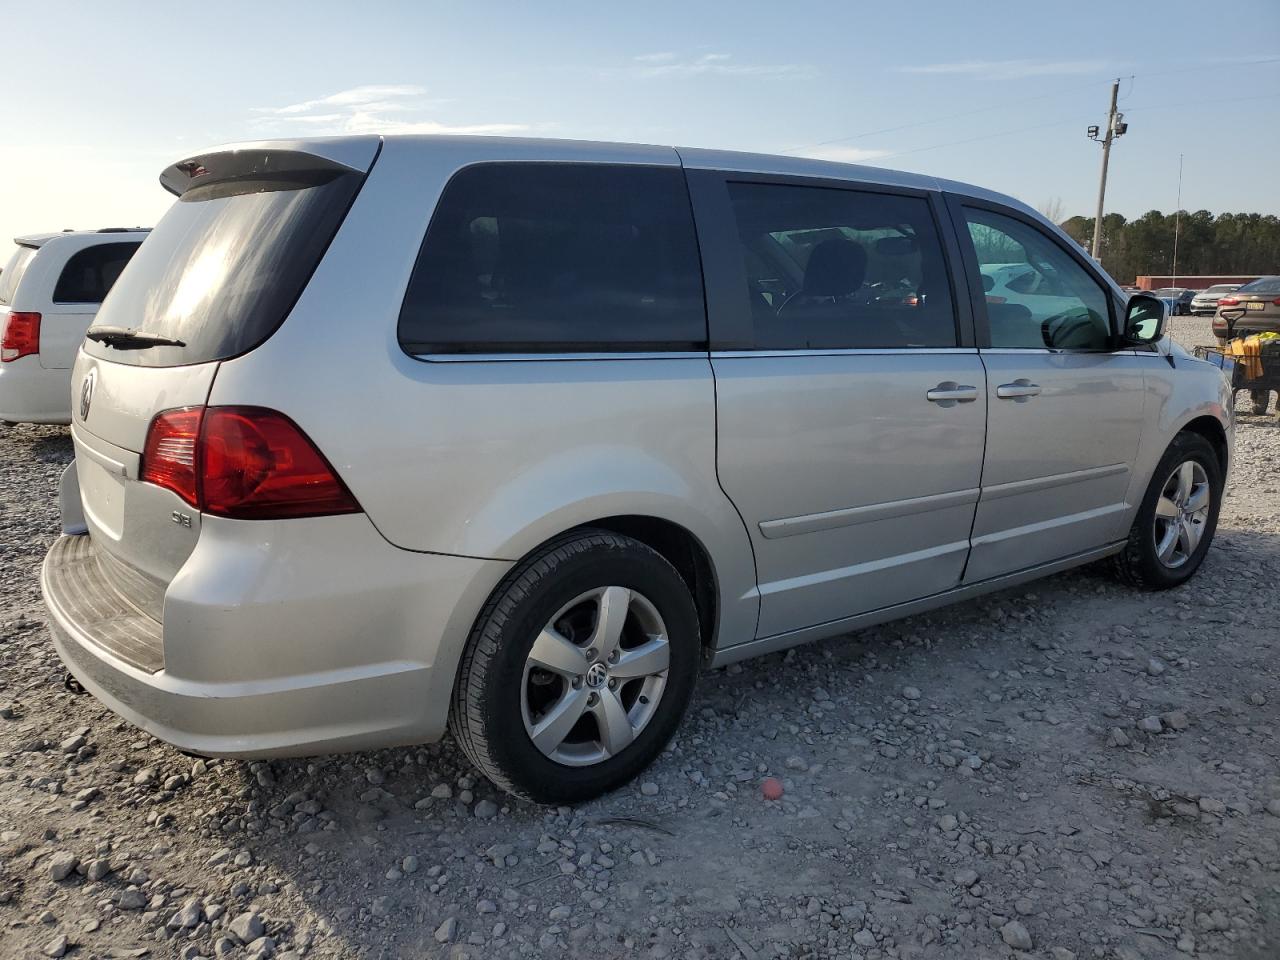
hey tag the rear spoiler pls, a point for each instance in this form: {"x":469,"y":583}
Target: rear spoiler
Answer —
{"x":269,"y":165}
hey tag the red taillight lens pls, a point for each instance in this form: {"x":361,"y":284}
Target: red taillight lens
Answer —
{"x":169,"y":456}
{"x":21,"y":335}
{"x":1228,"y":301}
{"x":248,"y":463}
{"x":992,"y":298}
{"x":257,"y":464}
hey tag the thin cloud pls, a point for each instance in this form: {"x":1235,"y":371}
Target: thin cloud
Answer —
{"x":356,"y":96}
{"x":1008,"y":69}
{"x":661,"y":65}
{"x":842,"y":154}
{"x":371,"y":108}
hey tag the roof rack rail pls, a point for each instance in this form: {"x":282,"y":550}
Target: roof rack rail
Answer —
{"x":125,"y":230}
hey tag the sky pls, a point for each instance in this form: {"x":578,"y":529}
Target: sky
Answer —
{"x":96,"y":99}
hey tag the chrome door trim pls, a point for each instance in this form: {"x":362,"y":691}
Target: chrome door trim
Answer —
{"x":831,"y":519}
{"x":834,"y":628}
{"x":843,"y":352}
{"x":550,"y":356}
{"x":1036,"y":484}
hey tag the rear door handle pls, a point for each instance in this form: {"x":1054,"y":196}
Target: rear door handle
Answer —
{"x":949,"y":393}
{"x":1020,"y":390}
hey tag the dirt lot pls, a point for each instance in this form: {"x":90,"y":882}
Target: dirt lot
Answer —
{"x":1070,"y":769}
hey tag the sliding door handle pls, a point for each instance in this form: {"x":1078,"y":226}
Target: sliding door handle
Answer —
{"x":1020,"y":390}
{"x":949,"y":393}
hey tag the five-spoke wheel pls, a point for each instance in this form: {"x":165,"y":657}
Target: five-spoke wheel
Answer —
{"x":579,"y":668}
{"x":594,"y":676}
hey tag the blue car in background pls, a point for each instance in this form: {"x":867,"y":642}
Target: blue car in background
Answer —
{"x":1177,"y":299}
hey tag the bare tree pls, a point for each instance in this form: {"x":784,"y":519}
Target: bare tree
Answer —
{"x":1053,"y":209}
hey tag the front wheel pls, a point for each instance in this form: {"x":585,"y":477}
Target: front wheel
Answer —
{"x":1177,"y":519}
{"x":1260,"y":400}
{"x":578,"y":669}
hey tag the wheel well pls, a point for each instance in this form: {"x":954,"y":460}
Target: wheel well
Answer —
{"x":1209,"y":428}
{"x":682,"y":550}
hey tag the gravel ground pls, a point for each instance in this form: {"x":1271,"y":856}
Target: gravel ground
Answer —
{"x":1069,"y":769}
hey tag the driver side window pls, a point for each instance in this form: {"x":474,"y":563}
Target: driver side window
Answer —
{"x":1037,"y":296}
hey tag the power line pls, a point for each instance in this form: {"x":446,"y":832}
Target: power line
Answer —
{"x":1005,"y":104}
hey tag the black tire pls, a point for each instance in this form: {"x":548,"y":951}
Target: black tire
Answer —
{"x":486,"y":716}
{"x":1260,"y":400}
{"x":1138,"y":564}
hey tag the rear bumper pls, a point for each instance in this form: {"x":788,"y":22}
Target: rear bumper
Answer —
{"x":30,"y":393}
{"x":279,"y":639}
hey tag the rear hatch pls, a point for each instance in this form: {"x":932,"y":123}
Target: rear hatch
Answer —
{"x":215,"y":278}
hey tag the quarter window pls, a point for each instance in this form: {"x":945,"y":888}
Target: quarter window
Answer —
{"x":1037,"y":295}
{"x":91,"y":273}
{"x":535,"y":257}
{"x":842,"y":269}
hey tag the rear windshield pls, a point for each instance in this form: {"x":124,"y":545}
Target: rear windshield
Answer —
{"x":13,"y":271}
{"x":1264,"y":285}
{"x":223,"y":268}
{"x":91,"y":273}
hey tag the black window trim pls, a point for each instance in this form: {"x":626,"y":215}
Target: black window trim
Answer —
{"x":732,"y":329}
{"x":955,"y":203}
{"x":580,"y":351}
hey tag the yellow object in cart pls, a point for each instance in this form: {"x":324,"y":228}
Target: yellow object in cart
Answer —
{"x":1248,"y":351}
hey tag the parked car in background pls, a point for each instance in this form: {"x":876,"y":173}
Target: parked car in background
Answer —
{"x":1252,"y":308}
{"x":379,"y":436}
{"x":1205,"y":303}
{"x":50,"y":291}
{"x":1178,"y":299}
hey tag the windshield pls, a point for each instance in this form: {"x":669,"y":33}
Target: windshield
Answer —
{"x":1262,"y":285}
{"x":13,"y":272}
{"x":1221,"y":288}
{"x":223,"y":268}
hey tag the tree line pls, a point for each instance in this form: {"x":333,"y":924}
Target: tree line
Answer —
{"x":1229,"y":243}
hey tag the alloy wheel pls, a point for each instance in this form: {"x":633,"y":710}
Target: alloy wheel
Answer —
{"x":1182,"y":513}
{"x":594,"y":676}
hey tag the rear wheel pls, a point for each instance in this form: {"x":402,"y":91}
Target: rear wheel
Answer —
{"x":578,"y":670}
{"x":1177,"y":519}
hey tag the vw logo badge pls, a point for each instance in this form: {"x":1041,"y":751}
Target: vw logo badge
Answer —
{"x":86,"y":393}
{"x":597,"y":675}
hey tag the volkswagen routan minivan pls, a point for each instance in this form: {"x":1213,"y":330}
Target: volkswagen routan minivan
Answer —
{"x":379,"y":437}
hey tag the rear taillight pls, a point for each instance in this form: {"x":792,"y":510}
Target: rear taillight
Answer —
{"x":21,"y":337}
{"x":992,"y":298}
{"x":169,"y":455}
{"x":247,"y":463}
{"x":1276,"y":302}
{"x":1228,"y":301}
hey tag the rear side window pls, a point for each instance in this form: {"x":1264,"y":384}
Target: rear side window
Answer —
{"x":90,"y":273}
{"x":537,"y":257}
{"x":225,"y":265}
{"x":842,"y":269}
{"x":13,"y":271}
{"x":1264,"y":285}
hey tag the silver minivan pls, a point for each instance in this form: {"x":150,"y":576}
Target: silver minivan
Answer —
{"x":378,"y":437}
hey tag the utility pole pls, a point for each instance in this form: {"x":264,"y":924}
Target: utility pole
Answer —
{"x":1115,"y":128}
{"x":1177,"y":222}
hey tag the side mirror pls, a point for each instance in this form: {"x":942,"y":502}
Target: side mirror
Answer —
{"x":987,"y":284}
{"x":1145,"y":319}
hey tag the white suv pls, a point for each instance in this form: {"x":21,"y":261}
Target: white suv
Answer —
{"x":375,"y":437}
{"x":50,"y":291}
